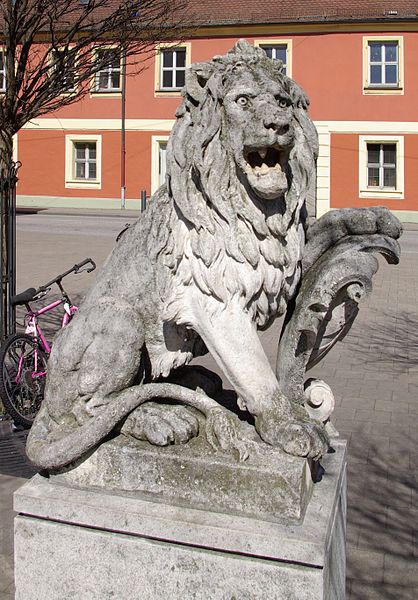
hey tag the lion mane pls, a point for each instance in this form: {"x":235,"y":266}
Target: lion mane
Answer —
{"x":227,"y":240}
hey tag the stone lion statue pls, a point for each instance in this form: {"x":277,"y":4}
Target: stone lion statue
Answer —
{"x":216,"y":256}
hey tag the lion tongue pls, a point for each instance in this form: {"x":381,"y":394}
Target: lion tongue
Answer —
{"x":268,"y":182}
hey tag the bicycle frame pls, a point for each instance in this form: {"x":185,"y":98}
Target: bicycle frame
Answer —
{"x":24,"y":355}
{"x":33,"y":329}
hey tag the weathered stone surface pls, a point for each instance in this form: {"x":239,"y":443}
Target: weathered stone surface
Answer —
{"x":269,"y":485}
{"x":96,"y":544}
{"x":223,"y":249}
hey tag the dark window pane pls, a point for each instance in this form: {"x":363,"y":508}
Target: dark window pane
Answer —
{"x":375,"y":74}
{"x":281,"y":53}
{"x":373,"y":151}
{"x":103,"y":81}
{"x":92,"y":170}
{"x":167,"y":58}
{"x":181,"y":58}
{"x":391,"y":73}
{"x":80,"y":150}
{"x":115,"y":77}
{"x":167,"y":79}
{"x":180,"y":78}
{"x":80,"y":172}
{"x":268,"y":50}
{"x":389,"y":154}
{"x":391,"y":52}
{"x":376,"y":52}
{"x":373,"y":177}
{"x":114,"y":60}
{"x":92,"y":150}
{"x":1,"y":61}
{"x":389,"y":177}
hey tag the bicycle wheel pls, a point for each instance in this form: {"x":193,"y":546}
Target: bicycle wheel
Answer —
{"x":21,"y":384}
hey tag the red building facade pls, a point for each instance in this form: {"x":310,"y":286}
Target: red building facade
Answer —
{"x":359,"y":70}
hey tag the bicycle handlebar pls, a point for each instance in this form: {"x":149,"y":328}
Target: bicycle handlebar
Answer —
{"x":77,"y":268}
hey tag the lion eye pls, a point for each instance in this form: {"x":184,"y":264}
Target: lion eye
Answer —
{"x":282,"y":103}
{"x":242,"y":101}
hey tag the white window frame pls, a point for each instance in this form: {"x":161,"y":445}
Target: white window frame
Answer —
{"x":382,"y":88}
{"x":280,"y":42}
{"x":374,"y":192}
{"x":156,"y":142}
{"x":3,"y":72}
{"x":174,"y":91}
{"x":111,"y":91}
{"x":70,"y":179}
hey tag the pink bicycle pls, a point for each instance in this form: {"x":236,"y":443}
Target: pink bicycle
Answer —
{"x":23,"y":356}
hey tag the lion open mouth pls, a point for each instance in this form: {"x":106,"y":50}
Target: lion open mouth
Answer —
{"x":265,"y":170}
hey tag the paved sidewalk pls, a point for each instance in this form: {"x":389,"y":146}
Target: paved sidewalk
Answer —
{"x":374,"y":375}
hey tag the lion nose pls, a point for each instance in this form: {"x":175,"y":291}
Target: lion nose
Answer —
{"x":276,"y":125}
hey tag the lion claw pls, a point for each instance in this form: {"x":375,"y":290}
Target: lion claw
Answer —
{"x":296,"y":436}
{"x":222,"y":433}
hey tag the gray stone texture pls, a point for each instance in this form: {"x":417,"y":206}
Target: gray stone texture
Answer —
{"x":269,"y":485}
{"x":219,"y":253}
{"x":95,"y":544}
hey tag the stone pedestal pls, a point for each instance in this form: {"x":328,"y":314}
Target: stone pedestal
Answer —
{"x":73,"y":543}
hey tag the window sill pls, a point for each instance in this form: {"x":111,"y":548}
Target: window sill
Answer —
{"x":106,"y":93}
{"x":382,"y":194}
{"x":168,"y":93}
{"x":383,"y":90}
{"x":83,"y":185}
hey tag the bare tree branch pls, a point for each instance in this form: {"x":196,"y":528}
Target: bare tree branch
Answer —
{"x":50,"y":47}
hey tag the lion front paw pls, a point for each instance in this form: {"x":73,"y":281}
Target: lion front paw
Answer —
{"x":222,"y":433}
{"x":296,"y":436}
{"x":161,"y":424}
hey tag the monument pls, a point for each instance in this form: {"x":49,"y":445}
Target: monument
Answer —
{"x":152,"y":477}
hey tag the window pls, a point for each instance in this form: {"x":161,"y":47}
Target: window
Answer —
{"x":381,"y":167}
{"x":277,"y":51}
{"x":162,"y":162}
{"x":108,"y":77}
{"x":383,"y":65}
{"x":173,"y":68}
{"x":85,"y":166}
{"x":64,"y":64}
{"x":2,"y":72}
{"x":280,"y":50}
{"x":83,"y":161}
{"x":158,"y":161}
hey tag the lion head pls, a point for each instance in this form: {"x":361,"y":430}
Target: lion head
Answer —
{"x":243,"y":127}
{"x":240,"y":161}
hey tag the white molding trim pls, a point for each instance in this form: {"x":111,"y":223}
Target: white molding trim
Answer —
{"x":383,"y":91}
{"x":387,"y":127}
{"x":360,"y":127}
{"x":100,"y":124}
{"x":82,"y":184}
{"x":277,"y":41}
{"x":383,"y":194}
{"x":156,"y":140}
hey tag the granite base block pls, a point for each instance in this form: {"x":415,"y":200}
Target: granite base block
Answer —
{"x":269,"y":485}
{"x":93,"y":544}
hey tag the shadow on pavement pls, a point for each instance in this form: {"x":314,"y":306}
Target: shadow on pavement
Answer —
{"x":382,"y":524}
{"x":394,"y":338}
{"x":13,"y":459}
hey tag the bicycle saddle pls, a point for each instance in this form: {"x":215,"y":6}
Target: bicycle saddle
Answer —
{"x":24,"y":297}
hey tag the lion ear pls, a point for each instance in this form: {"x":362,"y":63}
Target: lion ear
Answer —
{"x":197,"y":77}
